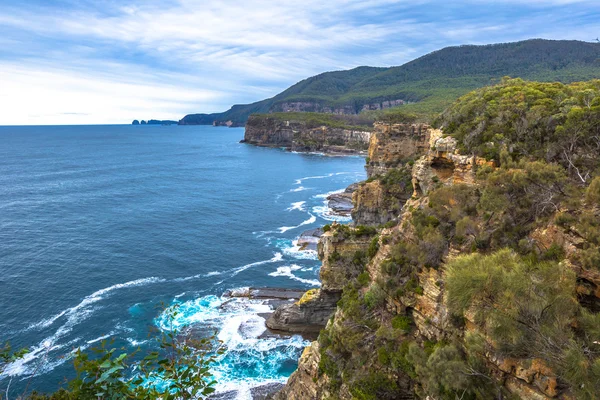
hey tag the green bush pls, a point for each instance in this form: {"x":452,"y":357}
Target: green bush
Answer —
{"x":373,"y":247}
{"x":592,"y":193}
{"x":528,"y":309}
{"x":375,"y":297}
{"x":402,"y":322}
{"x":375,"y":386}
{"x":363,"y":279}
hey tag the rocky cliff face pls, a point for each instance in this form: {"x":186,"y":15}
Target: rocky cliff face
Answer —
{"x":339,"y":251}
{"x":394,"y":334}
{"x":380,"y":199}
{"x":391,"y":145}
{"x":300,"y":136}
{"x":312,"y":106}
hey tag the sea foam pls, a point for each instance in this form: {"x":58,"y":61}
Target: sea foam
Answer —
{"x":288,"y":272}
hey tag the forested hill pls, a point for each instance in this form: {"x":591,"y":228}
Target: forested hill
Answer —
{"x":429,"y":83}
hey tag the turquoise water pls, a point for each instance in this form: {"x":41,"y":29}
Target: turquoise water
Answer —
{"x":99,"y":225}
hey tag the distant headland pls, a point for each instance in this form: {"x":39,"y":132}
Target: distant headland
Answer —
{"x":154,"y":122}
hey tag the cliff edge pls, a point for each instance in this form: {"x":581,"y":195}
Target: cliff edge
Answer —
{"x":484,"y":282}
{"x":305,"y":136}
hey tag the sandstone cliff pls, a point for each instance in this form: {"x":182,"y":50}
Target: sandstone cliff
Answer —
{"x":301,"y":136}
{"x":397,"y":333}
{"x":341,"y":252}
{"x":392,"y":150}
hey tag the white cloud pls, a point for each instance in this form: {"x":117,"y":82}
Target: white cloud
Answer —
{"x":158,"y":59}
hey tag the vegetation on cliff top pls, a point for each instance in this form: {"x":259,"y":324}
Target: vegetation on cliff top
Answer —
{"x":523,"y":236}
{"x":317,"y":120}
{"x":547,"y":121}
{"x":432,"y":82}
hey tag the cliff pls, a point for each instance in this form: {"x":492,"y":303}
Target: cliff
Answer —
{"x":271,"y":131}
{"x":484,"y":283}
{"x":342,"y":252}
{"x":392,"y":151}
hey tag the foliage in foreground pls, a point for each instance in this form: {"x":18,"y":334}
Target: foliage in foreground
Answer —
{"x":179,"y":370}
{"x":528,"y":309}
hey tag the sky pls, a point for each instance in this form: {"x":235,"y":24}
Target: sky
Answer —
{"x":112,"y":61}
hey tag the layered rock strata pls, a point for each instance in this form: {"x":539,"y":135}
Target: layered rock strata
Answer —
{"x":311,"y":313}
{"x":380,"y":199}
{"x":437,"y":163}
{"x":299,"y":136}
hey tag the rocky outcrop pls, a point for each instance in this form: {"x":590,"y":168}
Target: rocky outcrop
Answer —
{"x":443,"y":164}
{"x":304,"y":383}
{"x":391,"y":145}
{"x":309,"y":239}
{"x":372,"y":206}
{"x":341,"y":203}
{"x":380,"y":199}
{"x":310,"y":314}
{"x":420,"y":294}
{"x":307,"y":316}
{"x":337,"y":250}
{"x":300,"y":136}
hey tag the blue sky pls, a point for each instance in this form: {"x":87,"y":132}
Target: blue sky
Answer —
{"x":84,"y":62}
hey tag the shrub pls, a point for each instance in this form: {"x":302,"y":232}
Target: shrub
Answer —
{"x":375,"y":386}
{"x":375,"y":297}
{"x":554,"y":252}
{"x":592,"y":193}
{"x":373,"y":247}
{"x":363,"y":279}
{"x":362,"y":230}
{"x":333,"y":257}
{"x":402,"y":322}
{"x":528,"y":307}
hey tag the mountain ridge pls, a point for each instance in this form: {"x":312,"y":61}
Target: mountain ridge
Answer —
{"x":427,"y":84}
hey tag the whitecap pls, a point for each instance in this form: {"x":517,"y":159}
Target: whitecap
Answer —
{"x":136,"y":343}
{"x":288,"y":272}
{"x":297,"y":206}
{"x":100,"y":338}
{"x":299,"y":189}
{"x":299,"y":181}
{"x":324,"y":212}
{"x":240,"y":327}
{"x":325,"y":195}
{"x":198,"y":276}
{"x":291,"y":249}
{"x":309,"y":221}
{"x":277,"y":257}
{"x":93,"y":298}
{"x":74,"y":316}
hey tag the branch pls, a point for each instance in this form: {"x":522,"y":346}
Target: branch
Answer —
{"x":583,"y":178}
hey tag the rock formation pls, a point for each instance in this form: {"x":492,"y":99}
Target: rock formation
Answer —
{"x":380,"y":199}
{"x":404,"y":278}
{"x":299,"y":136}
{"x":310,"y":314}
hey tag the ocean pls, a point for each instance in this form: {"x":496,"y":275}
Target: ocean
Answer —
{"x":101,"y":225}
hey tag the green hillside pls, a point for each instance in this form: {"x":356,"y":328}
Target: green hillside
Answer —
{"x":432,"y":82}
